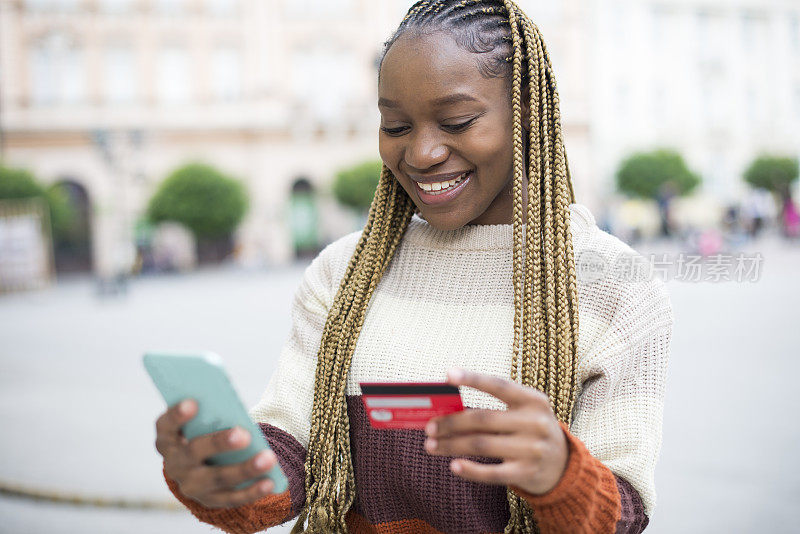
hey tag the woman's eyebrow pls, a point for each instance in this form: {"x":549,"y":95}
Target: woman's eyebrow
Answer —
{"x":442,"y":101}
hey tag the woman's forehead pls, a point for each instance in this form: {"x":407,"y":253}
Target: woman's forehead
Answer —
{"x":432,"y":68}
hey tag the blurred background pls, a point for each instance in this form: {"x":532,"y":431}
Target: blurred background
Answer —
{"x":169,"y":167}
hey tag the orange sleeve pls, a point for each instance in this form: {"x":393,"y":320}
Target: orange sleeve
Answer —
{"x":268,"y":511}
{"x":586,"y":499}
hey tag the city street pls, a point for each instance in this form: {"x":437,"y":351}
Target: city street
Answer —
{"x":77,"y":408}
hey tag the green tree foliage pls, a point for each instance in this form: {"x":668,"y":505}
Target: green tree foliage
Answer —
{"x":21,"y":184}
{"x":355,"y":186}
{"x":644,"y":174}
{"x":201,"y":198}
{"x":773,"y":173}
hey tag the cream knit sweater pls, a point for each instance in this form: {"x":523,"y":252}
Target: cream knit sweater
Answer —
{"x":447,"y":300}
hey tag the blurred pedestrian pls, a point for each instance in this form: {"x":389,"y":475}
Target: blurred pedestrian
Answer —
{"x":791,"y":218}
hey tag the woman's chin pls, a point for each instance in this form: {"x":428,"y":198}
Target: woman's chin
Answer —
{"x":443,"y":221}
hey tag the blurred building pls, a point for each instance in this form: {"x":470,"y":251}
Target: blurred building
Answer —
{"x":718,"y":80}
{"x":108,"y":96}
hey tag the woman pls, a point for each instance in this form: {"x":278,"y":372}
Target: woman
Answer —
{"x":564,"y":425}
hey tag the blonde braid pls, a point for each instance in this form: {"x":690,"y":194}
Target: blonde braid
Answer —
{"x":550,"y":323}
{"x":330,"y":484}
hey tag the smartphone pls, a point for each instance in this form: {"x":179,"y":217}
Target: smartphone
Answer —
{"x":202,"y":377}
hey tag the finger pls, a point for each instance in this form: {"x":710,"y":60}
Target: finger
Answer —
{"x":207,"y":445}
{"x":508,"y":391}
{"x":168,"y":434}
{"x":485,"y":421}
{"x":489,"y":445}
{"x":252,"y":493}
{"x":176,"y":416}
{"x":210,"y":479}
{"x":505,"y":473}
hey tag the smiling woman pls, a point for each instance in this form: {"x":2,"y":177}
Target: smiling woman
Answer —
{"x":467,"y":260}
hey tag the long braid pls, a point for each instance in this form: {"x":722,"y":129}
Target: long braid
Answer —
{"x":545,"y":289}
{"x":330,"y":485}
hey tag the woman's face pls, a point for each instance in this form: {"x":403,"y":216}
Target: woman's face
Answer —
{"x":440,"y":118}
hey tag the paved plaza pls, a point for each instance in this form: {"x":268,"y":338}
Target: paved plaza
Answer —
{"x":77,"y":408}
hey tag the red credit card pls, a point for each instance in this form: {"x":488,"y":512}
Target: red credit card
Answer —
{"x":408,"y":404}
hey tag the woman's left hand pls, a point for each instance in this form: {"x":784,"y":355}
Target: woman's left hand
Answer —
{"x":526,"y":436}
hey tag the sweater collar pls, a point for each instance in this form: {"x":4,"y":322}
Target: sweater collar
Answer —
{"x":482,"y":236}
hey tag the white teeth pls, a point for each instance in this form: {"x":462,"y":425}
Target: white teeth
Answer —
{"x":438,"y":186}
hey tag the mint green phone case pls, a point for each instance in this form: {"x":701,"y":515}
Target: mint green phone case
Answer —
{"x":202,"y":377}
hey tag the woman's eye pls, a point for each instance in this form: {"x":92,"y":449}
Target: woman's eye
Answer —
{"x":393,"y":131}
{"x":459,"y":127}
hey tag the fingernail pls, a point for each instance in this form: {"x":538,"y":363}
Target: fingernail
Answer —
{"x":430,"y":428}
{"x":265,"y":485}
{"x":183,"y":407}
{"x":455,"y":374}
{"x":235,"y":436}
{"x":262,"y":460}
{"x":455,"y":466}
{"x":430,"y":444}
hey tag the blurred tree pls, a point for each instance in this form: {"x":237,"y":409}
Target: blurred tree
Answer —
{"x":20,"y":184}
{"x":209,"y":203}
{"x":773,"y":173}
{"x":659,"y":175}
{"x":201,"y":198}
{"x":355,"y":186}
{"x":647,"y":174}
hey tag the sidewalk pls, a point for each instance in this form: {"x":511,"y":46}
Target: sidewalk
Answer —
{"x":78,"y":410}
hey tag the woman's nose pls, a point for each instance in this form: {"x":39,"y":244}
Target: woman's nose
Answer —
{"x":425,"y":150}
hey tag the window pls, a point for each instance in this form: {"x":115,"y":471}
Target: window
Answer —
{"x":116,"y":7}
{"x":323,"y":80}
{"x":58,"y":71}
{"x":703,"y":39}
{"x":173,"y":75}
{"x":797,"y":102}
{"x":64,"y":6}
{"x":170,"y":7}
{"x":226,"y":73}
{"x":320,"y":7}
{"x":222,"y":8}
{"x":754,"y":31}
{"x":119,"y":75}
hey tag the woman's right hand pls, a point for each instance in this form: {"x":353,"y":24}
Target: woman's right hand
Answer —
{"x":210,"y":485}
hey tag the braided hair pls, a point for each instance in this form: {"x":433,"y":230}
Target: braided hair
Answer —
{"x":509,"y":46}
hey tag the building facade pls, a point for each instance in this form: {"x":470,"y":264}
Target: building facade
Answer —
{"x":109,"y":96}
{"x":718,"y":80}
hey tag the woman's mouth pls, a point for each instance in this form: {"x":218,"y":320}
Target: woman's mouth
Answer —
{"x":441,"y":192}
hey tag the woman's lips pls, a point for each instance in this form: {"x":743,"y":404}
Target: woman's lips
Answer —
{"x":441,"y":198}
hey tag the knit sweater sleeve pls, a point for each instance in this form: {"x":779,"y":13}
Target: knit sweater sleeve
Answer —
{"x":615,"y":435}
{"x":284,"y":410}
